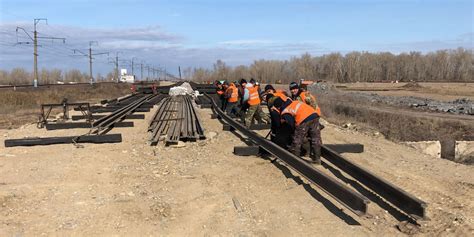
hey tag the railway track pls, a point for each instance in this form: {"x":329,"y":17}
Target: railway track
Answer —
{"x":356,"y":201}
{"x":66,"y":85}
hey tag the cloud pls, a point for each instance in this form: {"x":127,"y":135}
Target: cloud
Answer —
{"x":246,"y":43}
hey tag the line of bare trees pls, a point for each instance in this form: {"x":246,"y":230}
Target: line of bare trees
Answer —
{"x":442,"y":65}
{"x":20,"y":76}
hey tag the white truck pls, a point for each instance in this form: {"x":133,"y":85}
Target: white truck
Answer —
{"x":124,"y":77}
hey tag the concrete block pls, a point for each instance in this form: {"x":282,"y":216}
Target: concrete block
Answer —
{"x":464,"y":152}
{"x":432,"y":148}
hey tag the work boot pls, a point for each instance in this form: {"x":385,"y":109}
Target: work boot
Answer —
{"x":316,"y":156}
{"x":316,"y":161}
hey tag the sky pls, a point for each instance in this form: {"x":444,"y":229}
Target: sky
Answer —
{"x":168,"y":34}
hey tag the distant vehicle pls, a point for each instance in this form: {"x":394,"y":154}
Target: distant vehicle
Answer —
{"x":124,"y":77}
{"x":60,"y":82}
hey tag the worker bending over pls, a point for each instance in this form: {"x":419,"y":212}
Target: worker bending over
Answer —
{"x":297,"y":93}
{"x":305,"y":121}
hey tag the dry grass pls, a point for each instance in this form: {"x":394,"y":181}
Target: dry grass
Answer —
{"x":438,"y":91}
{"x":395,"y":123}
{"x":20,"y":107}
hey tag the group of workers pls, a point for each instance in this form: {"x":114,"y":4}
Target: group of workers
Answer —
{"x":293,"y":116}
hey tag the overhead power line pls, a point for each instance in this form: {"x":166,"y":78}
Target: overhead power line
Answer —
{"x":90,"y":54}
{"x":34,"y":40}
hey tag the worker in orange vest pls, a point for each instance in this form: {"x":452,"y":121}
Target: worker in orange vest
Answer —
{"x":252,"y":98}
{"x":305,"y":121}
{"x":280,"y":133}
{"x":269,"y":89}
{"x":232,"y":96}
{"x":297,"y":93}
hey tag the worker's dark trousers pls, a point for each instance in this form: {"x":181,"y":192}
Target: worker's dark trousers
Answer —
{"x":282,"y":136}
{"x":310,"y":128}
{"x":223,"y":103}
{"x":231,"y":108}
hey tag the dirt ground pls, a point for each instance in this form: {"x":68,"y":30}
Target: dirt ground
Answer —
{"x":133,"y":189}
{"x":437,"y":91}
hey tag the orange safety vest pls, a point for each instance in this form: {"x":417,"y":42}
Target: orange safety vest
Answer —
{"x":303,"y":98}
{"x":254,"y":97}
{"x":299,"y":110}
{"x":281,"y":94}
{"x":235,"y":93}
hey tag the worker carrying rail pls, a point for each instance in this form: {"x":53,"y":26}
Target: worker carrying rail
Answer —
{"x":297,"y":93}
{"x":280,"y":133}
{"x":300,"y":94}
{"x":304,"y":119}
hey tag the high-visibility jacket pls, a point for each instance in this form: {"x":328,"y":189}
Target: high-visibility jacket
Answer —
{"x":254,"y":97}
{"x":281,"y":94}
{"x":234,"y":96}
{"x":303,"y":96}
{"x":299,"y":110}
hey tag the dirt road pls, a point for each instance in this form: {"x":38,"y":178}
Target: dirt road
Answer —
{"x":202,"y":189}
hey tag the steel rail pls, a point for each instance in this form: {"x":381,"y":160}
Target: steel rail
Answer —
{"x":354,"y":201}
{"x":101,"y":125}
{"x":404,"y":201}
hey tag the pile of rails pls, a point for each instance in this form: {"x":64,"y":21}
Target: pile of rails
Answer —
{"x":99,"y":125}
{"x":176,"y":119}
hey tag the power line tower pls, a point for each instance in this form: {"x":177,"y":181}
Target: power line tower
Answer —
{"x":34,"y":39}
{"x":115,"y":61}
{"x":147,"y":67}
{"x":141,"y":69}
{"x":89,"y":55}
{"x":133,"y":65}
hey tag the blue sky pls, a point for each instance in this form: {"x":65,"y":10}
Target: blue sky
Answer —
{"x":197,"y":33}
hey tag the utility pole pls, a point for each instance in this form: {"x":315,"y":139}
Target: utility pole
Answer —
{"x":141,"y":69}
{"x":89,"y":55}
{"x":116,"y":66}
{"x":115,"y":61}
{"x":35,"y":43}
{"x":133,"y":65}
{"x":148,"y":69}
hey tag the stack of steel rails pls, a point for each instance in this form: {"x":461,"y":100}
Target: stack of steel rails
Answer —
{"x":176,"y":119}
{"x":104,"y":124}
